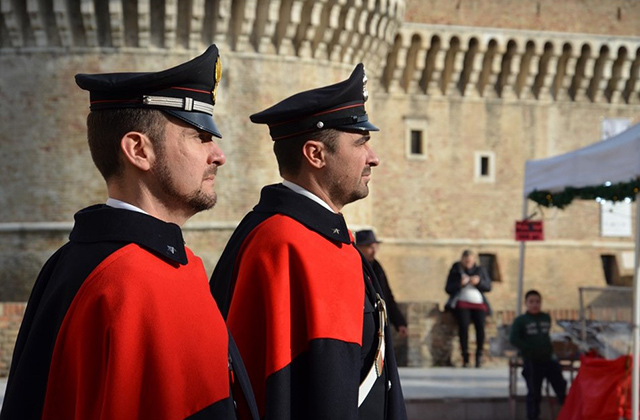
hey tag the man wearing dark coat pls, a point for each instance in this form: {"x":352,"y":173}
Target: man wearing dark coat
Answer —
{"x":121,"y":323}
{"x":305,"y":308}
{"x":367,"y":243}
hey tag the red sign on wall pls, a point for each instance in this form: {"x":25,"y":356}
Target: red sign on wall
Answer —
{"x":527,"y":230}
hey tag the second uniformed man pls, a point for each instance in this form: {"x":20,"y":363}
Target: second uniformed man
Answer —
{"x":302,"y":303}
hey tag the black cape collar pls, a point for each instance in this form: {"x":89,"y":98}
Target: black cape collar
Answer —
{"x":282,"y":200}
{"x":102,"y":223}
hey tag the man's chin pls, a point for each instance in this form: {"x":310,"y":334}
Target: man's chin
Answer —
{"x":365,"y":191}
{"x":202,"y":203}
{"x":359,"y":195}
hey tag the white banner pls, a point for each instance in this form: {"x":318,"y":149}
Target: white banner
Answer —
{"x":615,"y":218}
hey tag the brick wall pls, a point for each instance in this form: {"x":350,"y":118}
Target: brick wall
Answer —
{"x":54,"y":177}
{"x":615,"y":17}
{"x":11,"y":314}
{"x":432,"y":338}
{"x":433,"y":334}
{"x":426,"y":211}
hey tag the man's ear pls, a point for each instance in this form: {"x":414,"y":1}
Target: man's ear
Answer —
{"x":137,"y":150}
{"x":315,"y":153}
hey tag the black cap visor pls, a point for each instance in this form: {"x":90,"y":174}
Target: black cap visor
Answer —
{"x":359,"y":126}
{"x":199,"y":120}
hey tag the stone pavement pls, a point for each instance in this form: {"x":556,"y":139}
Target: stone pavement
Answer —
{"x":467,"y":394}
{"x":449,"y":393}
{"x":431,"y":383}
{"x":449,"y":382}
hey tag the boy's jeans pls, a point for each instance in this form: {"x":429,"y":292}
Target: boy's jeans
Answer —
{"x":534,"y":373}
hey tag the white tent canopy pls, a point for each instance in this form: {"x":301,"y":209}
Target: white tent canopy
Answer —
{"x":614,"y":160}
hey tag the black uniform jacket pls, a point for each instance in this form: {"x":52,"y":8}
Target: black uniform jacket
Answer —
{"x":121,"y":324}
{"x":293,"y":287}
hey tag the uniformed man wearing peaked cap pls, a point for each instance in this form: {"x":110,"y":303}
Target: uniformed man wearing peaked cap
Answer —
{"x":121,"y":323}
{"x":291,"y":282}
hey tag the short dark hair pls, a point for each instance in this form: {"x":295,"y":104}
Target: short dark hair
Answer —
{"x":466,"y":253}
{"x":105,"y":129}
{"x":532,"y":293}
{"x":289,"y":151}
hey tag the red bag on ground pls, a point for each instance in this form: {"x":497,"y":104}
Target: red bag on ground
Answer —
{"x":600,"y":391}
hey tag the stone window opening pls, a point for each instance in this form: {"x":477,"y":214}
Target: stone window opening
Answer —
{"x":610,"y":269}
{"x":415,"y":138}
{"x":490,"y":264}
{"x":484,"y":167}
{"x":416,"y":142}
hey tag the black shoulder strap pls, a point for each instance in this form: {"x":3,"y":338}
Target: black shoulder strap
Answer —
{"x":372,"y":287}
{"x":243,"y":378}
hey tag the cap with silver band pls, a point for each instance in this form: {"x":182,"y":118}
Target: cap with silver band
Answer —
{"x":187,"y":91}
{"x":339,"y":106}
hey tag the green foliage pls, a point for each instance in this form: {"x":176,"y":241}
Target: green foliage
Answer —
{"x":613,"y":192}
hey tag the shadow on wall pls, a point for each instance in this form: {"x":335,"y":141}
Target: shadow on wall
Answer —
{"x":433,"y":337}
{"x":440,"y":339}
{"x":19,"y":273}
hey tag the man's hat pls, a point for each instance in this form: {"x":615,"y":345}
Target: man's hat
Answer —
{"x":187,"y":91}
{"x":366,"y":237}
{"x":339,"y":106}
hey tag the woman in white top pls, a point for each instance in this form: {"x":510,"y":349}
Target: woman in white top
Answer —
{"x":466,"y":285}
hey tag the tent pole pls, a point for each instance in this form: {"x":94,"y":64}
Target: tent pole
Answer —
{"x":521,"y":261}
{"x":635,"y":378}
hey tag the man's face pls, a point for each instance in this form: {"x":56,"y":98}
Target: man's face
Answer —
{"x":533,"y":304}
{"x":349,"y":168}
{"x":186,"y":167}
{"x":368,"y":250}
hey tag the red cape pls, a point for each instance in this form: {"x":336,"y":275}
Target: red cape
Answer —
{"x":293,"y":286}
{"x":133,"y":343}
{"x":120,"y":324}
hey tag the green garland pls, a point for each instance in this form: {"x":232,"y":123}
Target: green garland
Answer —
{"x":612,"y":192}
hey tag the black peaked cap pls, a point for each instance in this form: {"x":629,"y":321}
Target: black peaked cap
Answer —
{"x":187,"y":91}
{"x":339,"y":106}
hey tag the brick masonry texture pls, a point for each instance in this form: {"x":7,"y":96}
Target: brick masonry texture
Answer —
{"x":10,"y":318}
{"x":617,"y":17}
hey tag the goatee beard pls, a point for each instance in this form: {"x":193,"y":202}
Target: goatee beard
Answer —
{"x":196,"y":201}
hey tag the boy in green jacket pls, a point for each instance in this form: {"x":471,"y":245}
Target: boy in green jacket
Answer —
{"x":530,"y":334}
